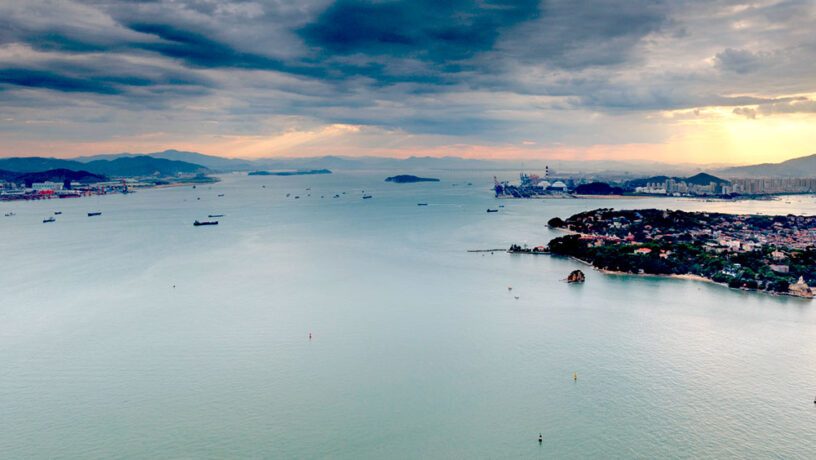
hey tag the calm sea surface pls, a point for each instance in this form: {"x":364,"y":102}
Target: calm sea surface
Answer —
{"x":136,"y":335}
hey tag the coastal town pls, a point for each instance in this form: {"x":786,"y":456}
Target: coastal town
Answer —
{"x":10,"y":191}
{"x":701,"y":185}
{"x":768,"y":253}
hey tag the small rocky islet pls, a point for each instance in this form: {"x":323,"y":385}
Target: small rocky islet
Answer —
{"x":408,"y":179}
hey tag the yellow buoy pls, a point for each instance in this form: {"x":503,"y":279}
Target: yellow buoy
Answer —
{"x":575,"y":377}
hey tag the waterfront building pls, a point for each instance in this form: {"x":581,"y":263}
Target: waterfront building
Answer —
{"x":46,"y":186}
{"x":779,"y":268}
{"x":558,"y":186}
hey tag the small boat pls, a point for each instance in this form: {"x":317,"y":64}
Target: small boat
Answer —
{"x":9,"y":214}
{"x":97,"y":213}
{"x":492,"y":210}
{"x":501,"y":205}
{"x":50,"y":219}
{"x":206,"y":222}
{"x":287,"y":195}
{"x":337,"y":196}
{"x":220,"y":194}
{"x":422,"y":204}
{"x":215,"y":215}
{"x":297,"y":197}
{"x":365,"y":197}
{"x":56,"y":213}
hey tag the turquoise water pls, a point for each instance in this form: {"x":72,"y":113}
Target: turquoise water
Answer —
{"x":418,"y":348}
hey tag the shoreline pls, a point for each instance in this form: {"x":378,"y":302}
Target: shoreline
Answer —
{"x":178,"y":184}
{"x":611,"y":197}
{"x":131,"y":189}
{"x":685,"y":276}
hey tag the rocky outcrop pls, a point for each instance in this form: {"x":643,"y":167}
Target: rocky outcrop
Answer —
{"x":576,"y":276}
{"x":801,"y":289}
{"x":407,"y":179}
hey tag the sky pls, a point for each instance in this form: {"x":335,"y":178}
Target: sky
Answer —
{"x":681,"y":81}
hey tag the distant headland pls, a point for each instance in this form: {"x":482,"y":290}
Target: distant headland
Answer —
{"x":751,"y":252}
{"x":407,"y":179}
{"x":289,"y":173}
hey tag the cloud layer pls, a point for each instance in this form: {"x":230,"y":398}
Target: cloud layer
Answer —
{"x":410,"y":76}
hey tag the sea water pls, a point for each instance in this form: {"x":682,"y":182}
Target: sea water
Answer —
{"x":135,"y":334}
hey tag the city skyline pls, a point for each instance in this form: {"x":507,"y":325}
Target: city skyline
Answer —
{"x":675,"y":82}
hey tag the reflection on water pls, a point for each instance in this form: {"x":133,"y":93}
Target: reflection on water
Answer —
{"x":418,"y":348}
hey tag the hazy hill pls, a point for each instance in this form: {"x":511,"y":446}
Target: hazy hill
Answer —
{"x":119,"y":167}
{"x":35,"y":164}
{"x":698,"y":179}
{"x":142,"y":166}
{"x":797,"y":167}
{"x":211,"y":162}
{"x":705,"y":179}
{"x":600,"y":168}
{"x":8,"y":175}
{"x":53,"y":175}
{"x":59,"y":175}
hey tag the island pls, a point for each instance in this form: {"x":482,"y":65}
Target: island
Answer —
{"x":774,"y":254}
{"x":289,"y":173}
{"x":407,"y":179}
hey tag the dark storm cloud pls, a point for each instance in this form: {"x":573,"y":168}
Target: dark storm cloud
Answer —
{"x":575,"y":34}
{"x":457,"y":66}
{"x":104,"y":75}
{"x":436,"y":46}
{"x":430,"y":30}
{"x":199,"y":50}
{"x":739,"y":61}
{"x":51,"y":80}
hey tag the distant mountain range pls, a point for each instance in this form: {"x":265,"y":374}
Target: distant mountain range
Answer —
{"x":211,"y":162}
{"x":797,"y":167}
{"x":450,"y":163}
{"x":131,"y":166}
{"x":171,"y":162}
